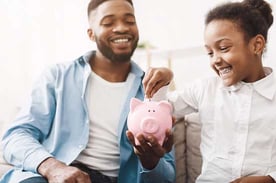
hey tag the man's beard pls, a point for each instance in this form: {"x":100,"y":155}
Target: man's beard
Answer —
{"x":108,"y":52}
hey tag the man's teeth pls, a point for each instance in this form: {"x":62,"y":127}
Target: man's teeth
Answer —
{"x":120,"y":40}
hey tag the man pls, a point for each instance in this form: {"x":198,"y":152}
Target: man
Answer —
{"x":74,"y":127}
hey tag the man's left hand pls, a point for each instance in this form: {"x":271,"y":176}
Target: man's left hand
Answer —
{"x":150,"y":151}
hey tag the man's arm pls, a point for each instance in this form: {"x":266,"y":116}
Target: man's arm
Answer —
{"x":56,"y":171}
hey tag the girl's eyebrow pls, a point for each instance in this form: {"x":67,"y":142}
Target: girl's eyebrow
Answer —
{"x":221,"y":40}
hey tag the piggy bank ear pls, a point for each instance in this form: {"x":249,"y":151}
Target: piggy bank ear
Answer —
{"x":134,"y":102}
{"x":165,"y":104}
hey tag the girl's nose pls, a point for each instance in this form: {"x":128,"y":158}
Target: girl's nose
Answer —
{"x":216,"y":59}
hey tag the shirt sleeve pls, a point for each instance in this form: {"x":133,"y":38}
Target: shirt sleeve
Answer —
{"x":272,"y":175}
{"x":163,"y":172}
{"x":22,"y":141}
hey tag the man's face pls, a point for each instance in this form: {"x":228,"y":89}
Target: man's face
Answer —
{"x":113,"y":28}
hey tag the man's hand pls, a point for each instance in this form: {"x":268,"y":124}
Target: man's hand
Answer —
{"x":254,"y":179}
{"x":55,"y":171}
{"x":156,"y":78}
{"x":150,"y":151}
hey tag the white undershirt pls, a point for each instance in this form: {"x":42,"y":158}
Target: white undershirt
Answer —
{"x":105,"y":101}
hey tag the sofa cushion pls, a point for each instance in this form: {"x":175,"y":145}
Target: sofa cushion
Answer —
{"x":180,"y":150}
{"x":187,"y":152}
{"x":193,"y":155}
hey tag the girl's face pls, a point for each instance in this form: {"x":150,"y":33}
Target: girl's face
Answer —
{"x":232,"y":58}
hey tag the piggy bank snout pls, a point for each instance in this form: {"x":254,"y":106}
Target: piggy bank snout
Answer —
{"x":149,"y":125}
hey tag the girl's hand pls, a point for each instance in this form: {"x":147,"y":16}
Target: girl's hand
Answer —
{"x":254,"y":179}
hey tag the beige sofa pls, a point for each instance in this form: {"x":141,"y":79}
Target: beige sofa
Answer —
{"x":187,"y":154}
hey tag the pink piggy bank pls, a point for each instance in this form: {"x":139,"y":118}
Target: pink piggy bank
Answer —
{"x":149,"y":118}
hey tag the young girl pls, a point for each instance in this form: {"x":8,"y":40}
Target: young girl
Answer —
{"x":236,"y":108}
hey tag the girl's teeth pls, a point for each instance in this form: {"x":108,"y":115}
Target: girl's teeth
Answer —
{"x":225,"y":70}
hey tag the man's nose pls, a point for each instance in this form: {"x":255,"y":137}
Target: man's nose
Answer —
{"x":121,"y":27}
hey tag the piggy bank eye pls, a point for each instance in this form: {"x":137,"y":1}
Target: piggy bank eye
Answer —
{"x":149,"y":110}
{"x":153,"y":110}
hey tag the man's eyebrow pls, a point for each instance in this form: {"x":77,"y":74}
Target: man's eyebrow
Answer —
{"x":112,"y":16}
{"x":130,"y":14}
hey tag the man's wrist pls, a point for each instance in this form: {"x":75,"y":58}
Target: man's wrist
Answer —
{"x":47,"y":165}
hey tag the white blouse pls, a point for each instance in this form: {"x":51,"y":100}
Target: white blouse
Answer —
{"x":238,"y":126}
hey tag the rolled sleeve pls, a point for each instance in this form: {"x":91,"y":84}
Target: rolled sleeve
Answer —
{"x":32,"y":161}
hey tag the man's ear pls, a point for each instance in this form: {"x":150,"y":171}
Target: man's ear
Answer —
{"x":90,"y":34}
{"x":258,"y":44}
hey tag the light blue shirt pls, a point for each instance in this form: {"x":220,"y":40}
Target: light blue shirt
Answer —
{"x":55,"y":123}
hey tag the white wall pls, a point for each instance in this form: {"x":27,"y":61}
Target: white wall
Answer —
{"x":179,"y":24}
{"x":36,"y":33}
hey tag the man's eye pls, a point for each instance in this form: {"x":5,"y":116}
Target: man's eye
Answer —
{"x":130,"y":20}
{"x":107,"y":24}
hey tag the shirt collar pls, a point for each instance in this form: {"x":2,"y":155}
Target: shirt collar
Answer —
{"x":265,"y":87}
{"x":87,"y":56}
{"x":232,"y":88}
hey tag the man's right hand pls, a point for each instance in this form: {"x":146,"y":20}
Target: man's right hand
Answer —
{"x":58,"y":172}
{"x":155,"y":79}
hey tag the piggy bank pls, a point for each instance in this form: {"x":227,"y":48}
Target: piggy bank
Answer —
{"x":149,"y":118}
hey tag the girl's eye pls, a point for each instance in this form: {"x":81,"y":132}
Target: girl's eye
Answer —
{"x":210,"y":54}
{"x":224,"y":49}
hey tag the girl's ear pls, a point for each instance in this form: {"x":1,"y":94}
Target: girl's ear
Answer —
{"x":258,"y":44}
{"x":90,"y":34}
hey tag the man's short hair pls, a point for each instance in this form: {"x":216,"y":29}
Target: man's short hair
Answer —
{"x":93,"y":4}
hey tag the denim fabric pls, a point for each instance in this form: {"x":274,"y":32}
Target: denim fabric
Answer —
{"x":35,"y":180}
{"x":56,"y":117}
